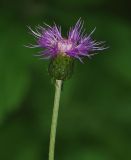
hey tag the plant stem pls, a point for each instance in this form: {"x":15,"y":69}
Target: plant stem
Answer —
{"x":54,"y":119}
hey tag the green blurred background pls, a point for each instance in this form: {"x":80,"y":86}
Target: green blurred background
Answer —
{"x":95,"y":111}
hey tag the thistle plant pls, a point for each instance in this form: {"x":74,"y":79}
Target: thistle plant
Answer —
{"x":62,"y":53}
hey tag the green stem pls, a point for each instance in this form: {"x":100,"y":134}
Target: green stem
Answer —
{"x":54,"y":119}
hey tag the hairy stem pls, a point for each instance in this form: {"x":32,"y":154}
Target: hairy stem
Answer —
{"x":54,"y":119}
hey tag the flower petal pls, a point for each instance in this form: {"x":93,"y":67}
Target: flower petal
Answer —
{"x":75,"y":32}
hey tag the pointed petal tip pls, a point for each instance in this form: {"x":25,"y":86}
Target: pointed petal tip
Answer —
{"x":32,"y":46}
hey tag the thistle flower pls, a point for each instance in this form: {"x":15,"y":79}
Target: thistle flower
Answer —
{"x":55,"y":47}
{"x":62,"y":52}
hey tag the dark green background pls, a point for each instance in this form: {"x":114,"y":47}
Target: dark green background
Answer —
{"x":95,"y":111}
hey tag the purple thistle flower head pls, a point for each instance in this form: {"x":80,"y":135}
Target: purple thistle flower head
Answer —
{"x":76,"y":45}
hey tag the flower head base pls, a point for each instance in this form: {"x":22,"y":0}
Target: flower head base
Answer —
{"x":61,"y":67}
{"x":77,"y":45}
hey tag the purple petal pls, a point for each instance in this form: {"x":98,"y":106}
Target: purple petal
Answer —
{"x":75,"y":32}
{"x":77,"y":45}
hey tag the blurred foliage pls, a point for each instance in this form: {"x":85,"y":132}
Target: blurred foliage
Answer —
{"x":95,"y":111}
